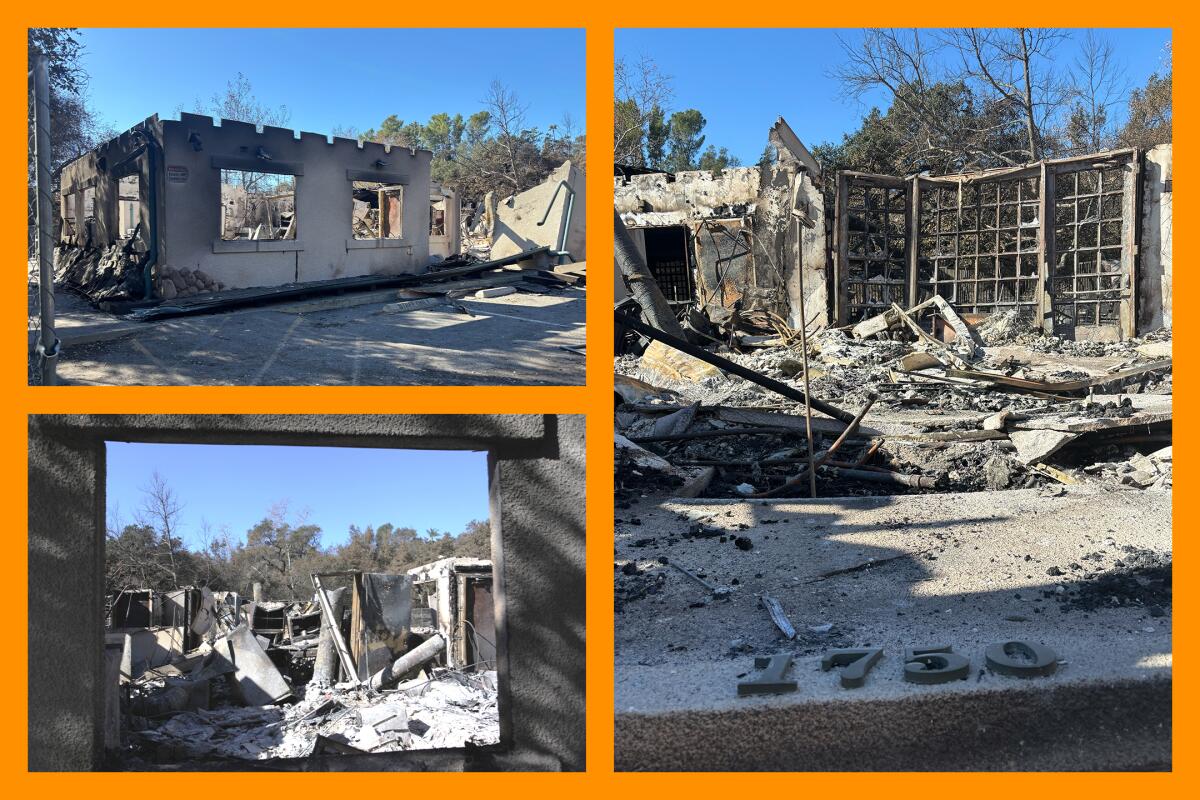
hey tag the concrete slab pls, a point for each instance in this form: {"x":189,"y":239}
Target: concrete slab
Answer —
{"x":512,"y":340}
{"x":966,"y":570}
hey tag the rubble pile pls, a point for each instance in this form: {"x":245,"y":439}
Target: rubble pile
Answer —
{"x":999,"y":405}
{"x":268,"y":680}
{"x":449,"y":710}
{"x":100,"y":274}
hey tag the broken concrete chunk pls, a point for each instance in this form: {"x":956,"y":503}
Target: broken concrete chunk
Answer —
{"x":667,"y":363}
{"x":676,"y":422}
{"x":642,"y":457}
{"x":997,"y":421}
{"x":1033,"y":446}
{"x":495,"y":291}
{"x":254,"y":674}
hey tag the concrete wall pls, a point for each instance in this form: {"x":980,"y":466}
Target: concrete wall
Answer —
{"x":517,"y":229}
{"x":98,"y":169}
{"x":1154,"y":254}
{"x":536,"y":468}
{"x":324,"y":247}
{"x":188,"y":166}
{"x":449,"y":243}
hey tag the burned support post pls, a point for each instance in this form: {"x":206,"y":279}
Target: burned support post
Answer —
{"x":731,"y":367}
{"x":641,"y":283}
{"x":812,"y":471}
{"x":325,"y":670}
{"x":48,"y":342}
{"x":426,"y":651}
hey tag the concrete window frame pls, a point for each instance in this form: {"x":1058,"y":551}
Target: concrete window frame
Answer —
{"x":390,"y":182}
{"x":295,"y":171}
{"x":536,"y":469}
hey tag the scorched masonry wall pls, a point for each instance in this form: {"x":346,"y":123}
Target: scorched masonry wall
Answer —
{"x":189,"y":155}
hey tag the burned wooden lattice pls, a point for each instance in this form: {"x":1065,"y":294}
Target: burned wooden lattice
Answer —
{"x":1091,"y":261}
{"x":979,"y":243}
{"x":873,"y":244}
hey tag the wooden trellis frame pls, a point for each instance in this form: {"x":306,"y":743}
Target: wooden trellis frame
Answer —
{"x":995,"y":239}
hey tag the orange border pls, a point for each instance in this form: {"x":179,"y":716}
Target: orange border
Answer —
{"x":595,"y":399}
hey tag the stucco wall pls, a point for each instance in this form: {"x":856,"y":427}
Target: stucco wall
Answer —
{"x":536,"y":466}
{"x":1154,"y":266}
{"x":519,"y":227}
{"x":324,"y":247}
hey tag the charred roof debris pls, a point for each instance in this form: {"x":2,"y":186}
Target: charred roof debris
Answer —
{"x":372,"y":663}
{"x":849,"y":405}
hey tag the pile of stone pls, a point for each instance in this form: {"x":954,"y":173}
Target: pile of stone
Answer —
{"x":171,"y":282}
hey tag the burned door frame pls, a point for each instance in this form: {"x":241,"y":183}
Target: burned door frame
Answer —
{"x":1045,"y":297}
{"x":536,"y":501}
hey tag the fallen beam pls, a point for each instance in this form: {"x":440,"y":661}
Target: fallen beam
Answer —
{"x":241,"y":298}
{"x":731,"y":367}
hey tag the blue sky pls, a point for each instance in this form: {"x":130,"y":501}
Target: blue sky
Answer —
{"x":742,"y":79}
{"x":340,"y":486}
{"x":336,"y":77}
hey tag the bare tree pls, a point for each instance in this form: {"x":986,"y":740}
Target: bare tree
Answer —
{"x":238,"y":102}
{"x":508,"y":115}
{"x":930,"y":105}
{"x":1099,"y":83}
{"x":639,"y":89}
{"x":161,"y":510}
{"x":1014,"y":64}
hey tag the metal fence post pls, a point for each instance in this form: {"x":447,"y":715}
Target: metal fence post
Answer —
{"x":47,"y":343}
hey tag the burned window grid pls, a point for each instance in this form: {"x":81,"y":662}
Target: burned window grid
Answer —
{"x":257,"y":206}
{"x":668,"y":260}
{"x":1089,"y":236}
{"x":877,"y":261}
{"x":377,"y":210}
{"x":978,"y":245}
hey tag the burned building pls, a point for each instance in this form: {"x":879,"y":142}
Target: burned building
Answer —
{"x":204,"y":675}
{"x":733,"y":243}
{"x":738,"y":244}
{"x":193,"y":205}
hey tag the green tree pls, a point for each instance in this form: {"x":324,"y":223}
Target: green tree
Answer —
{"x":1150,"y":115}
{"x":717,"y":160}
{"x":656,"y":138}
{"x":279,"y":553}
{"x":685,"y":139}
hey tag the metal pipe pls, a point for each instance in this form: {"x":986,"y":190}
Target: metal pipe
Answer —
{"x":48,"y":343}
{"x":562,"y":237}
{"x":391,"y":674}
{"x":731,"y":367}
{"x":152,"y":152}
